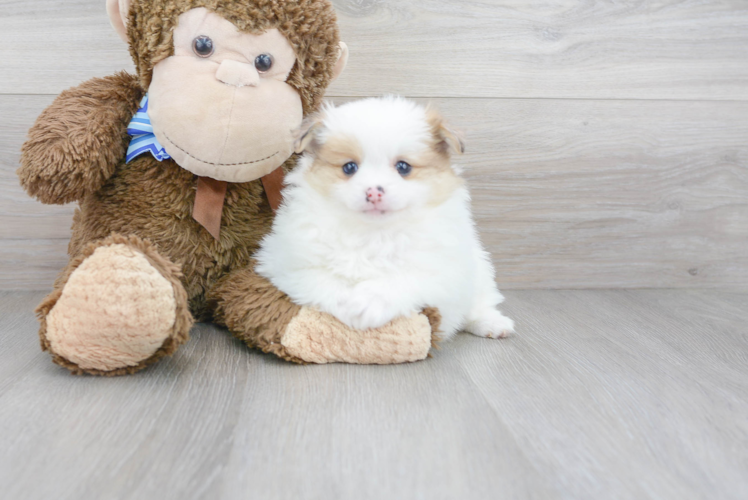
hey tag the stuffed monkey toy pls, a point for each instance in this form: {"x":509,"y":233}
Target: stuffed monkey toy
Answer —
{"x":177,"y":171}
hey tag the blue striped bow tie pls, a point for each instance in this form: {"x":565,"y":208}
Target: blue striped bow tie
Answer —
{"x":143,"y":138}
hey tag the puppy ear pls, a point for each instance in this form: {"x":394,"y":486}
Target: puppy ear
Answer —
{"x":453,"y":139}
{"x":445,"y":138}
{"x":307,"y":133}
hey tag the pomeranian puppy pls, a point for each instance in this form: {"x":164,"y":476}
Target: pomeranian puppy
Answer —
{"x":376,"y":223}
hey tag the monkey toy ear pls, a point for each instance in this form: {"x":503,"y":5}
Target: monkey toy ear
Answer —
{"x":342,"y":61}
{"x":118,"y":11}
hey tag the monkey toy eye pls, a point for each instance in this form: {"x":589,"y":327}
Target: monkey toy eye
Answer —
{"x":403,"y":168}
{"x":203,"y":46}
{"x":263,"y":63}
{"x":350,"y":168}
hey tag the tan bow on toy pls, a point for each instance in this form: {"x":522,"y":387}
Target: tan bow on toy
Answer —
{"x":211,"y":195}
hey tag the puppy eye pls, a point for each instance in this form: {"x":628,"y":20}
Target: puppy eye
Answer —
{"x":403,"y":168}
{"x":203,"y":46}
{"x":263,"y":63}
{"x":350,"y":168}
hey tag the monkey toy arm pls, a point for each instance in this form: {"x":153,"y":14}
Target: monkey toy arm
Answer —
{"x":265,"y":318}
{"x":78,"y":141}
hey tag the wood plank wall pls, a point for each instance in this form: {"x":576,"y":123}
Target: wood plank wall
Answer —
{"x":607,"y":141}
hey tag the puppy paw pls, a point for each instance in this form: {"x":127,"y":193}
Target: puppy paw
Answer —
{"x":363,"y":310}
{"x":491,"y":324}
{"x":364,"y":313}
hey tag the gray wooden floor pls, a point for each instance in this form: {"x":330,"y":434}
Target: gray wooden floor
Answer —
{"x":602,"y":394}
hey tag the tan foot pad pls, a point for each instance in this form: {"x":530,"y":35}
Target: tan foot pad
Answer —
{"x":320,"y":338}
{"x":116,"y":310}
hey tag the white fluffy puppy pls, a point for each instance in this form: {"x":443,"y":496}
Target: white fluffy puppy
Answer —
{"x":376,"y":223}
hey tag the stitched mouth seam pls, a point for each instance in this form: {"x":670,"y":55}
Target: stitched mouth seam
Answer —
{"x":217,"y":164}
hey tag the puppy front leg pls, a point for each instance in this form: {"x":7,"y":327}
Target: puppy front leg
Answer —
{"x":484,"y":319}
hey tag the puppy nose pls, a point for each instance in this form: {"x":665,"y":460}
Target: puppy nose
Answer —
{"x":374,"y":195}
{"x":237,"y":74}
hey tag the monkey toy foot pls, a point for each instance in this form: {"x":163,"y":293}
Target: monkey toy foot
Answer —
{"x":320,"y":338}
{"x":118,"y":307}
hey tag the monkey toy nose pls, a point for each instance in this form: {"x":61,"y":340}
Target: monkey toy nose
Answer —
{"x":374,"y":195}
{"x":237,"y":74}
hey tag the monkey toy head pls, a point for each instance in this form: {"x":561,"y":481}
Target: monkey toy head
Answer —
{"x":229,"y":81}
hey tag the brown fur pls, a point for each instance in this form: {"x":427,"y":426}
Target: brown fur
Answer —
{"x":76,"y":151}
{"x":154,"y":200}
{"x":182,"y":323}
{"x":77,"y":146}
{"x":435,"y":320}
{"x":257,"y":312}
{"x":77,"y":142}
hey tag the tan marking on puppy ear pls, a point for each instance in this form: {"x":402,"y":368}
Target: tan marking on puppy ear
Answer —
{"x":434,"y":168}
{"x":306,"y":133}
{"x":118,"y":10}
{"x":454,"y":139}
{"x":342,"y":62}
{"x":445,"y":138}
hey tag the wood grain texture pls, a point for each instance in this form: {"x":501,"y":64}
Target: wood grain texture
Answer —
{"x":653,"y":366}
{"x":611,"y":193}
{"x":602,"y":394}
{"x":567,"y":193}
{"x":671,"y":49}
{"x":31,"y":264}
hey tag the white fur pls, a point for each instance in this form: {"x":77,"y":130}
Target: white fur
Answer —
{"x":368,"y":267}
